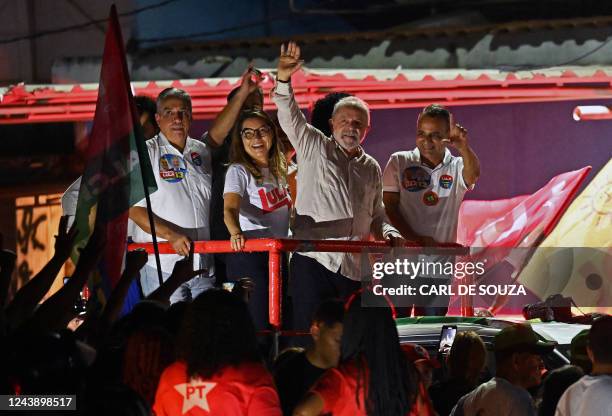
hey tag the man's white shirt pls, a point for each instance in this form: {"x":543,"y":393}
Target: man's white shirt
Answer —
{"x":183,"y":194}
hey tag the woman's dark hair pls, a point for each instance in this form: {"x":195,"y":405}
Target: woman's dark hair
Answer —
{"x":218,"y":332}
{"x":370,"y":340}
{"x":238,"y":154}
{"x":323,"y":109}
{"x":460,"y":364}
{"x":555,"y":385}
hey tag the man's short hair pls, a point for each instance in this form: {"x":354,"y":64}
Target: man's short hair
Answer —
{"x":436,"y":111}
{"x":600,"y":340}
{"x":323,"y":109}
{"x":329,"y":312}
{"x":173,"y":93}
{"x":354,"y":102}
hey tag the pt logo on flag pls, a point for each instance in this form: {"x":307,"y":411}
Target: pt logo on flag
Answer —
{"x":195,"y":394}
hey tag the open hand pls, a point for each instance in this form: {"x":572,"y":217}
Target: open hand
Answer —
{"x":288,"y":62}
{"x":64,"y":240}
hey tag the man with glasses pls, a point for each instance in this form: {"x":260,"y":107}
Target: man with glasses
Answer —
{"x":423,"y":188}
{"x":181,"y":204}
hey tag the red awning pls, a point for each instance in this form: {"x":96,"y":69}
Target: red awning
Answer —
{"x":382,"y":89}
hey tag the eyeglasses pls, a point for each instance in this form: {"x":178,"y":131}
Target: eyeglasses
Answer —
{"x":249,"y":134}
{"x":172,"y":114}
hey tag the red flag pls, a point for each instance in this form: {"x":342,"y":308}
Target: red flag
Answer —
{"x":501,"y":233}
{"x":506,"y":222}
{"x":117,"y":163}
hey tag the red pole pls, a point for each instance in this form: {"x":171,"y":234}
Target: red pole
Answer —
{"x":274,"y":288}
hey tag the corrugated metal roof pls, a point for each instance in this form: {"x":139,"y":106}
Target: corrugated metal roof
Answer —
{"x":382,"y":89}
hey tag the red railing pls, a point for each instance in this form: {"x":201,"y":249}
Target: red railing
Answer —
{"x":275,"y":247}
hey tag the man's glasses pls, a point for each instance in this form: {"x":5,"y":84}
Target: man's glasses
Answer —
{"x":249,"y":134}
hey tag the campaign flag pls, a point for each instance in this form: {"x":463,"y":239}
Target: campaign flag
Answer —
{"x":117,"y":165}
{"x":575,"y":260}
{"x":502,"y":234}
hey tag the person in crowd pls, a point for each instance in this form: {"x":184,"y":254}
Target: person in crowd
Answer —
{"x":219,"y":369}
{"x":148,"y":351}
{"x":590,"y":396}
{"x":578,"y":351}
{"x":373,"y":377}
{"x":146,"y":108}
{"x":553,"y":386}
{"x":465,"y":363}
{"x":424,"y":365}
{"x":518,"y":363}
{"x":322,"y":111}
{"x":338,"y":197}
{"x":256,"y":202}
{"x":423,"y":188}
{"x":296,"y":370}
{"x":181,"y":204}
{"x":248,"y":95}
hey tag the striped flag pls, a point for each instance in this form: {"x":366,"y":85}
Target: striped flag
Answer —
{"x":117,"y":165}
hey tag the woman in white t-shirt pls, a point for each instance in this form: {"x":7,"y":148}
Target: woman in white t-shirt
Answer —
{"x":256,"y":202}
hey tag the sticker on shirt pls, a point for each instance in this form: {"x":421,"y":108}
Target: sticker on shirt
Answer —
{"x":430,"y":198}
{"x":172,"y":168}
{"x":446,"y":181}
{"x":274,"y":199}
{"x":196,"y":158}
{"x":415,"y":179}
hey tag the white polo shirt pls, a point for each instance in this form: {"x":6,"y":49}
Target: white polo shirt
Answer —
{"x":183,"y":194}
{"x":429,"y":198}
{"x":264,"y":207}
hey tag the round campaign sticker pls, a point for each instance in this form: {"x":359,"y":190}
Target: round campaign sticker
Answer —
{"x":172,"y":168}
{"x":430,"y":198}
{"x":196,"y":158}
{"x":415,"y":179}
{"x":446,"y":181}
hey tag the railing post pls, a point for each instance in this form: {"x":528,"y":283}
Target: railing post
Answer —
{"x":275,"y":294}
{"x":467,"y":304}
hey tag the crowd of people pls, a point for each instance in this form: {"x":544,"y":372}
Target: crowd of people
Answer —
{"x":191,"y":345}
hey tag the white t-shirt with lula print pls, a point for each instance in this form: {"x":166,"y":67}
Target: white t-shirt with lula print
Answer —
{"x":265,"y":206}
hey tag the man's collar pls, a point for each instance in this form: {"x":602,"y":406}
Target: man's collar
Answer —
{"x":164,"y":141}
{"x":445,"y":161}
{"x":360,"y":151}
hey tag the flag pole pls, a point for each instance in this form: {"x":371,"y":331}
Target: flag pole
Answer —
{"x":139,"y":146}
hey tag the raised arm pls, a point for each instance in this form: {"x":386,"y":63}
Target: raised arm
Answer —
{"x":31,"y":294}
{"x":292,"y":120}
{"x":225,"y":120}
{"x":458,"y":139}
